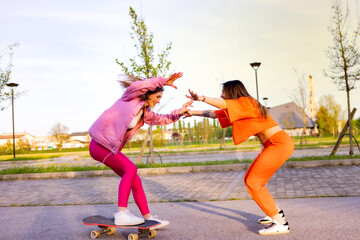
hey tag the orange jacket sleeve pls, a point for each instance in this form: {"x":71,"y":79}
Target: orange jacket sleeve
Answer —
{"x":223,"y":118}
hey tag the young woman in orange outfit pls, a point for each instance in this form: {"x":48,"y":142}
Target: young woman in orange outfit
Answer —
{"x":248,"y":117}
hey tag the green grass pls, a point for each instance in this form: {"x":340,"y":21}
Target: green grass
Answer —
{"x":312,"y":158}
{"x":35,"y":157}
{"x":64,"y":168}
{"x":39,"y":156}
{"x":23,"y":170}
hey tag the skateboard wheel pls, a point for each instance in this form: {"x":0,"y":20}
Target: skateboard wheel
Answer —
{"x":95,"y":234}
{"x":111,"y":230}
{"x":133,"y":236}
{"x":152,"y":234}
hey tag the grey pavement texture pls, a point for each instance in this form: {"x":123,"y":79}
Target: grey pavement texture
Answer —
{"x":309,"y":218}
{"x":191,"y":186}
{"x":319,"y":203}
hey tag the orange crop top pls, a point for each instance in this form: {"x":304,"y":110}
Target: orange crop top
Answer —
{"x":245,"y":118}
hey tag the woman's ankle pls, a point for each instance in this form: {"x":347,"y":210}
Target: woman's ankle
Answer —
{"x":121,"y":209}
{"x":279,"y":219}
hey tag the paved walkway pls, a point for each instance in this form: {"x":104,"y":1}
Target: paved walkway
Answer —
{"x":199,"y":186}
{"x":309,"y":219}
{"x":57,"y":206}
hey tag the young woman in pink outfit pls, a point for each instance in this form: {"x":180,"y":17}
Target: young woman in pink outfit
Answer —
{"x":114,"y":128}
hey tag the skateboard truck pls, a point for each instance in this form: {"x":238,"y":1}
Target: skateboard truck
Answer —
{"x":132,"y":236}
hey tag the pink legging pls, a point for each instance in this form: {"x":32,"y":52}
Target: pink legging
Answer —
{"x":127,"y":170}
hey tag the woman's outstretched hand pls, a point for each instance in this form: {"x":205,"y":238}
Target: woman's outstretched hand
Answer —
{"x":184,"y":110}
{"x":194,"y":96}
{"x":172,"y":78}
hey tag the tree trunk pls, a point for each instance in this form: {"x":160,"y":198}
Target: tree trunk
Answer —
{"x":351,"y":151}
{"x":342,"y":134}
{"x":304,"y":130}
{"x":143,"y":146}
{"x":151,"y":146}
{"x":182,"y":135}
{"x":222,"y":143}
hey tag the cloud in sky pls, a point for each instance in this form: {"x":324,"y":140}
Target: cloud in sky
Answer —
{"x":67,"y":52}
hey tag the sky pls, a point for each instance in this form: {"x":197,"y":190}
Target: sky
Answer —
{"x":65,"y":60}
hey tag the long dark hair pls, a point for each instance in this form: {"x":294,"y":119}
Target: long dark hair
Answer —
{"x":235,"y":89}
{"x":146,"y":95}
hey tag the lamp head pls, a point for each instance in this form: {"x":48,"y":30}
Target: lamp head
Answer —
{"x":12,"y":85}
{"x":255,"y":65}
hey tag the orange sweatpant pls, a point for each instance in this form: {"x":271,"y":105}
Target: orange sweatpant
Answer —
{"x":277,"y":149}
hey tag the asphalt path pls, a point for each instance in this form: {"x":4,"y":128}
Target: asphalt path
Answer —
{"x":309,"y":218}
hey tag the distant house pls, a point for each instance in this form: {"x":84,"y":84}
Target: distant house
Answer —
{"x":290,"y":118}
{"x":78,"y":140}
{"x":22,"y":137}
{"x":43,"y":143}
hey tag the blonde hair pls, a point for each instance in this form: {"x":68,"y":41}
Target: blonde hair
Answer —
{"x":125,"y":80}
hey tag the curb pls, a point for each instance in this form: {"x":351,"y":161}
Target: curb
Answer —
{"x":175,"y":170}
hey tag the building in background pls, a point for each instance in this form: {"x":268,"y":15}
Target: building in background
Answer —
{"x":78,"y":140}
{"x":43,"y":143}
{"x":20,"y":138}
{"x":290,"y":118}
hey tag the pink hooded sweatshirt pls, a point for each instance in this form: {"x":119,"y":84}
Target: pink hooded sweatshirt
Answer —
{"x":110,"y":129}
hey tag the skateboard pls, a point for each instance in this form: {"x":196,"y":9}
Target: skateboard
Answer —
{"x":107,"y":225}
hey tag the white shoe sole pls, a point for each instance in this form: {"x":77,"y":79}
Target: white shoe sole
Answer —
{"x":265,"y":222}
{"x":274,"y":233}
{"x":160,"y":226}
{"x":128,"y":224}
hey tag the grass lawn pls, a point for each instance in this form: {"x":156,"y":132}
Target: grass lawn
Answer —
{"x":62,"y":168}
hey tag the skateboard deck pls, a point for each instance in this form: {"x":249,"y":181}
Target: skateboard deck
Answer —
{"x":107,"y":225}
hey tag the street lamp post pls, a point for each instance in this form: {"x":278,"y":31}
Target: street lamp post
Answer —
{"x":12,"y":86}
{"x":265,"y":99}
{"x":255,"y":66}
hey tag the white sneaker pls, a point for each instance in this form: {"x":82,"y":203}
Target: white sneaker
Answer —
{"x":268,"y":220}
{"x":163,"y":223}
{"x":126,"y":218}
{"x":275,"y":228}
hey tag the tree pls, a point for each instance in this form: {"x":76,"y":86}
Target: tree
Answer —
{"x":344,"y":55}
{"x":180,"y":126}
{"x":147,"y":67}
{"x":323,"y":121}
{"x":59,"y":134}
{"x":300,"y":97}
{"x":23,"y":145}
{"x":288,"y":120}
{"x":190,"y":136}
{"x":144,"y":45}
{"x":329,"y":115}
{"x":5,"y":74}
{"x":356,"y":123}
{"x":196,"y":130}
